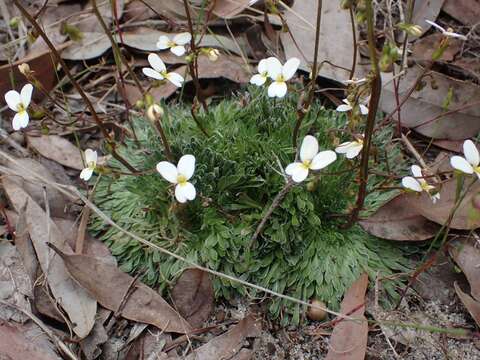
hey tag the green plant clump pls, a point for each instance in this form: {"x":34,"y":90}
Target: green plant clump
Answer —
{"x":302,"y":251}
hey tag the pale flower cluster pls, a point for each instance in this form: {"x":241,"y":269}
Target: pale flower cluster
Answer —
{"x":279,"y":74}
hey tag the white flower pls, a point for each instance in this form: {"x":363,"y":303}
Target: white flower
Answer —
{"x":351,"y":149}
{"x":280,"y":74}
{"x":448,"y":33}
{"x":91,"y":158}
{"x":347,"y":106}
{"x":419,"y":184}
{"x":471,"y":163}
{"x":354,"y":81}
{"x":180,"y":175}
{"x":262,"y":76}
{"x":159,"y":71}
{"x":310,"y":159}
{"x":177,"y":45}
{"x":213,"y":54}
{"x":19,"y":102}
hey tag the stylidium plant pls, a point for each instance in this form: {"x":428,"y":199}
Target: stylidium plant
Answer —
{"x":179,"y":175}
{"x":418,"y":184}
{"x":446,"y":32}
{"x":351,"y":149}
{"x":176,"y":45}
{"x":470,"y":164}
{"x":19,"y":103}
{"x":158,"y":71}
{"x":310,"y":159}
{"x":91,"y":158}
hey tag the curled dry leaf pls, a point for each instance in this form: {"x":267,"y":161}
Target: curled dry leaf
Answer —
{"x":112,"y":287}
{"x":335,"y":43}
{"x":397,"y":220}
{"x":77,"y":303}
{"x":467,"y":257}
{"x":471,"y":305}
{"x":420,"y":110}
{"x":193,"y":296}
{"x":229,"y":8}
{"x":467,"y":217}
{"x":57,"y":148}
{"x":349,"y":338}
{"x":227,"y":345}
{"x":18,"y":342}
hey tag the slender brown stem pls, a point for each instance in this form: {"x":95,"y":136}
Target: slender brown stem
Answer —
{"x":376,"y":84}
{"x":166,"y":145}
{"x":306,"y":106}
{"x":355,"y":47}
{"x":76,"y":85}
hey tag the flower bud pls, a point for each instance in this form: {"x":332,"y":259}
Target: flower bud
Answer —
{"x":14,"y":21}
{"x":24,"y":69}
{"x":154,"y":112}
{"x":316,"y":314}
{"x":411,"y":29}
{"x":139,"y":104}
{"x":213,"y":54}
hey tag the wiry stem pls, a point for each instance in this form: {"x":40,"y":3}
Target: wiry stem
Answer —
{"x":77,"y":86}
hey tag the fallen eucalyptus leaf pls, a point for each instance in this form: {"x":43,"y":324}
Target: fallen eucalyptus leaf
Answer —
{"x":57,"y":148}
{"x":467,"y":257}
{"x":471,"y":305}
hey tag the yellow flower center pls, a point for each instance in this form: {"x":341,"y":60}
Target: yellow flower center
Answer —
{"x":171,"y":43}
{"x":91,"y":165}
{"x":181,"y":179}
{"x":306,"y":164}
{"x":21,"y":108}
{"x":476,"y":169}
{"x":280,"y":79}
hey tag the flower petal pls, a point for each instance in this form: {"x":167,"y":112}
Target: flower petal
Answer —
{"x":343,"y":148}
{"x":163,"y":42}
{"x":263,"y":66}
{"x":323,"y":159}
{"x":86,"y":174}
{"x":91,"y":156}
{"x":411,"y":183}
{"x":274,"y":67}
{"x":290,"y":68}
{"x":434,"y":24}
{"x":344,"y":107}
{"x":13,"y":99}
{"x":187,"y":190}
{"x":179,"y":195}
{"x":363,"y":109}
{"x":471,"y":153}
{"x":26,"y":94}
{"x":156,"y":63}
{"x":168,"y":171}
{"x":258,"y":80}
{"x":416,"y":171}
{"x":175,"y":79}
{"x":354,"y":150}
{"x":182,"y":38}
{"x":20,"y":120}
{"x":461,"y":164}
{"x":152,"y":73}
{"x":277,"y":89}
{"x":186,"y":166}
{"x":299,"y":173}
{"x":178,"y":50}
{"x":290,"y":169}
{"x":309,"y":148}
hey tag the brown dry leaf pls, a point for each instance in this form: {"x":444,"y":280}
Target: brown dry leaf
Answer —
{"x":15,"y":344}
{"x":92,"y":45}
{"x":472,"y":305}
{"x":465,"y":11}
{"x":349,"y":338}
{"x":229,"y":8}
{"x":467,"y":257}
{"x":396,"y":220}
{"x":56,"y":201}
{"x":335,"y":37}
{"x":136,"y":10}
{"x":41,"y":63}
{"x":424,"y":48}
{"x":193,"y":296}
{"x":426,"y":10}
{"x":226,"y":345}
{"x":79,"y":306}
{"x":171,"y":9}
{"x":57,"y":148}
{"x":427,"y":104}
{"x":465,"y":218}
{"x":110,"y":286}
